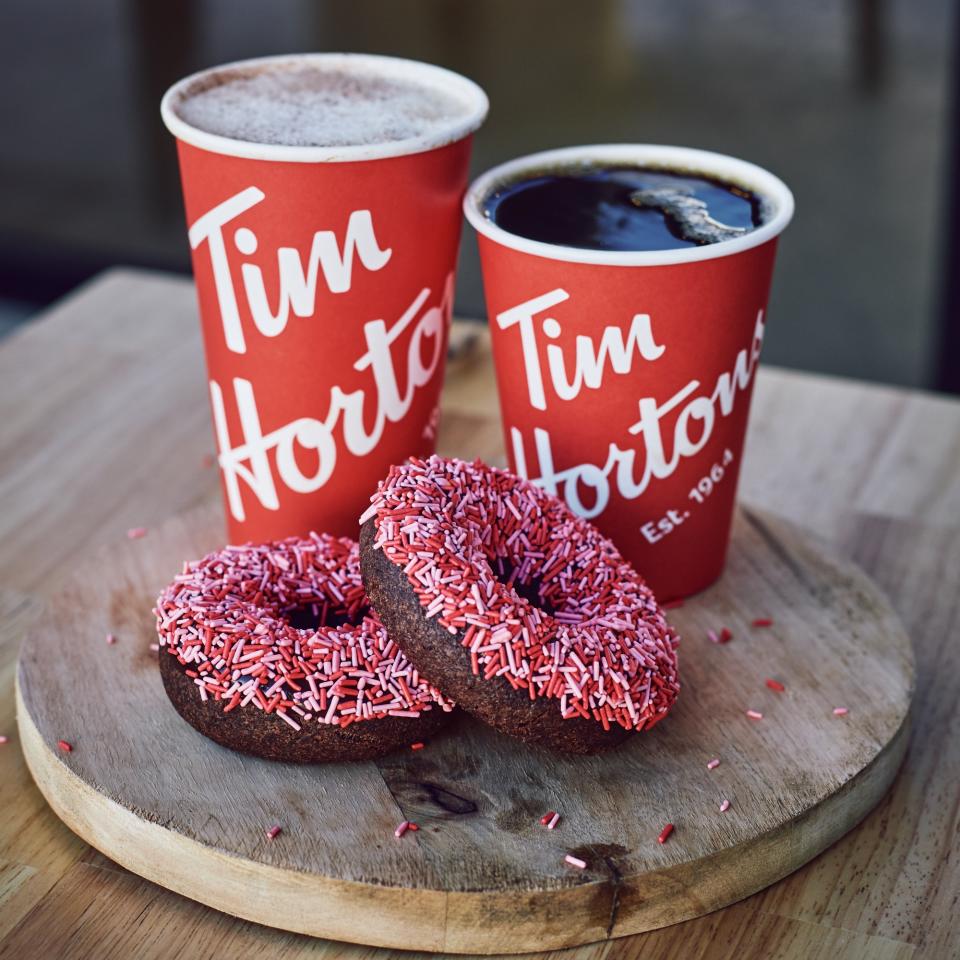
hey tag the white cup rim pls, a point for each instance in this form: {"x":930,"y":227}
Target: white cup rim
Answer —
{"x":703,"y":162}
{"x":474,"y":100}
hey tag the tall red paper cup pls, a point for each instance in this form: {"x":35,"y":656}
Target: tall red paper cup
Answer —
{"x":625,"y":377}
{"x":325,"y":284}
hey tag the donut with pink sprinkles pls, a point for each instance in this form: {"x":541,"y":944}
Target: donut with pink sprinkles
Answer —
{"x":521,"y":611}
{"x":272,"y":649}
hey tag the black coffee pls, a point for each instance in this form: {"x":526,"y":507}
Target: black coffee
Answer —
{"x":624,"y":208}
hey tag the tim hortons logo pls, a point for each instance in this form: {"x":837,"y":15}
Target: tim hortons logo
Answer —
{"x":246,"y":459}
{"x":568,"y":373}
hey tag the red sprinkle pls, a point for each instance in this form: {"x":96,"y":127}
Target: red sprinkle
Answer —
{"x":547,"y":817}
{"x":274,"y":831}
{"x":754,"y":714}
{"x":775,"y":685}
{"x":64,"y":746}
{"x":725,"y":635}
{"x":840,"y":711}
{"x":762,"y":622}
{"x":413,"y":826}
{"x":725,"y":806}
{"x":575,"y":861}
{"x":417,"y":746}
{"x":135,"y":533}
{"x":665,"y":833}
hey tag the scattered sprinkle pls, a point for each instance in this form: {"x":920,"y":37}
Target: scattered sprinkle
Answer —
{"x":671,"y":605}
{"x":402,"y":829}
{"x":417,"y":746}
{"x":553,"y":821}
{"x":274,"y":831}
{"x":155,"y":647}
{"x":547,"y":817}
{"x":413,"y":826}
{"x":713,"y":636}
{"x":725,"y":635}
{"x":725,"y":806}
{"x":762,"y":622}
{"x":4,"y":740}
{"x":575,"y":861}
{"x":754,"y":714}
{"x":64,"y":746}
{"x":840,"y":711}
{"x":111,"y":639}
{"x":714,"y":763}
{"x":665,"y":833}
{"x":135,"y":533}
{"x":775,"y":685}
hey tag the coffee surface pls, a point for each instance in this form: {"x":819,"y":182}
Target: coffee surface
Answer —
{"x":624,"y":208}
{"x":307,"y":104}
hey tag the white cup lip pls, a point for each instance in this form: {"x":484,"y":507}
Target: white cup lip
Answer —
{"x":704,"y":162}
{"x":474,"y":99}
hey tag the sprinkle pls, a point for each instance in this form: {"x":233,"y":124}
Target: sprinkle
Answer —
{"x":111,"y":639}
{"x":665,"y":833}
{"x":840,"y":711}
{"x":547,"y":817}
{"x":775,"y":685}
{"x":64,"y":746}
{"x":553,"y":821}
{"x":402,"y":829}
{"x":714,"y":763}
{"x":135,"y":533}
{"x":725,"y":806}
{"x":575,"y":861}
{"x":725,"y":635}
{"x":4,"y":739}
{"x":274,"y":831}
{"x":713,"y":636}
{"x":671,"y":605}
{"x":413,"y":826}
{"x":754,"y":714}
{"x":155,"y":647}
{"x":762,"y":622}
{"x":417,"y":746}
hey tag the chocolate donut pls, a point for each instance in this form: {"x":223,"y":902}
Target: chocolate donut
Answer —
{"x":273,"y":650}
{"x":518,"y":609}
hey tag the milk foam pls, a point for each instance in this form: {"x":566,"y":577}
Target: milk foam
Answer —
{"x":304,"y":104}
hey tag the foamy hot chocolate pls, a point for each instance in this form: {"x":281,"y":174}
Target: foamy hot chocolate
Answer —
{"x":311,"y":103}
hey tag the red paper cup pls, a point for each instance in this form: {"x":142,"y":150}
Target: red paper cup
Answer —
{"x":325,"y":281}
{"x":625,"y":377}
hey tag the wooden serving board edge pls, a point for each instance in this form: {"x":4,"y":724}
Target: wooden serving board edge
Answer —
{"x":441,"y":921}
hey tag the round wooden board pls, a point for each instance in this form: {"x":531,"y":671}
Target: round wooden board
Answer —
{"x":482,"y":875}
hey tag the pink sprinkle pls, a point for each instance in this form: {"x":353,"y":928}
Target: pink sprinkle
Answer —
{"x":402,"y":829}
{"x":111,"y":639}
{"x":665,"y":833}
{"x":840,"y":711}
{"x":417,"y":746}
{"x":554,"y":820}
{"x":155,"y":647}
{"x":754,"y":714}
{"x":713,"y":636}
{"x":713,"y":764}
{"x":4,"y":740}
{"x":135,"y":533}
{"x":762,"y":622}
{"x":575,"y":861}
{"x":274,"y":831}
{"x":725,"y":806}
{"x":64,"y":746}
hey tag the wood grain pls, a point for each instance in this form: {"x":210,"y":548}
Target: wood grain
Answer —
{"x":875,"y":469}
{"x":482,"y":874}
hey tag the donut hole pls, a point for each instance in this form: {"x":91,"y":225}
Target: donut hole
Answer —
{"x":313,"y":616}
{"x":530,"y":589}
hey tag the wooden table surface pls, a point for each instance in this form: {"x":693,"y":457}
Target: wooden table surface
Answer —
{"x":104,"y":425}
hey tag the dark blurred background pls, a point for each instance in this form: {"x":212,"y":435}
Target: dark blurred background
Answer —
{"x":852,"y":102}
